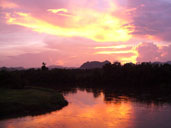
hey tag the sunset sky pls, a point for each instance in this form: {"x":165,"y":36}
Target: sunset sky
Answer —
{"x":71,"y":32}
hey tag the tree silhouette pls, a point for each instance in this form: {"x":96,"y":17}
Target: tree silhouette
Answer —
{"x":44,"y":66}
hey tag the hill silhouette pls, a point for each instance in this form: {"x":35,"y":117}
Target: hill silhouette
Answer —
{"x":93,"y":64}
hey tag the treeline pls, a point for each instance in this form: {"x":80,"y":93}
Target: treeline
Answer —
{"x":127,"y":76}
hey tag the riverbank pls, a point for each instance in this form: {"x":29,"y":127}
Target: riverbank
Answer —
{"x":29,"y":101}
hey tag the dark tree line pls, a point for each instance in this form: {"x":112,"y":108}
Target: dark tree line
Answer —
{"x":128,"y":76}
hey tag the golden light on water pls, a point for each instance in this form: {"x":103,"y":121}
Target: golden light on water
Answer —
{"x":80,"y":113}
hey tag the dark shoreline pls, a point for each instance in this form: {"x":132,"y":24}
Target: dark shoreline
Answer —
{"x":18,"y":105}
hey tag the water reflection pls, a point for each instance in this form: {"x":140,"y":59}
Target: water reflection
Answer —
{"x":87,"y":110}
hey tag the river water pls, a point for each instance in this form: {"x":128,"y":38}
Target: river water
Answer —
{"x":88,"y":111}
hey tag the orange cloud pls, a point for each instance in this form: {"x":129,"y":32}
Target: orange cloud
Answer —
{"x":6,"y":4}
{"x":87,"y":23}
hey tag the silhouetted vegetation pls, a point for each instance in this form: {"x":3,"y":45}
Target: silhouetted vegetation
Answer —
{"x":144,"y":78}
{"x":44,"y":66}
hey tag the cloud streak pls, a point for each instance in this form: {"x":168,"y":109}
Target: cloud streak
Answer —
{"x":99,"y":27}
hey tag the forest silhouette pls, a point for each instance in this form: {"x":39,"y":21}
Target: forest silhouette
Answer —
{"x":147,"y":79}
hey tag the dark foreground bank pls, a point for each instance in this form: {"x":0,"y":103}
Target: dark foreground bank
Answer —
{"x":30,"y":101}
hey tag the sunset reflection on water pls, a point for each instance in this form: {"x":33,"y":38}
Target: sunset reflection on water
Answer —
{"x":85,"y":111}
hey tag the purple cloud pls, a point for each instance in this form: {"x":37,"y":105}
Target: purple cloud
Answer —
{"x":152,"y":17}
{"x":151,"y":52}
{"x":147,"y":52}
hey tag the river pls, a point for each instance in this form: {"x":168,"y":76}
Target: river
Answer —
{"x":88,"y":111}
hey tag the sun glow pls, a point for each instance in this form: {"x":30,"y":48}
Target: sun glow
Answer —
{"x":119,"y":49}
{"x":132,"y":59}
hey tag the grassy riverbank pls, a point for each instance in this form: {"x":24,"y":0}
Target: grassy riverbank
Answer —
{"x":29,"y":101}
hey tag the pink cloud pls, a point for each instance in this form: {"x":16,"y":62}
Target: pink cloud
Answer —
{"x":61,"y":51}
{"x":150,"y":52}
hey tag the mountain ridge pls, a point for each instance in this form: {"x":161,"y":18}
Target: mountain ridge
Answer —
{"x":93,"y":64}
